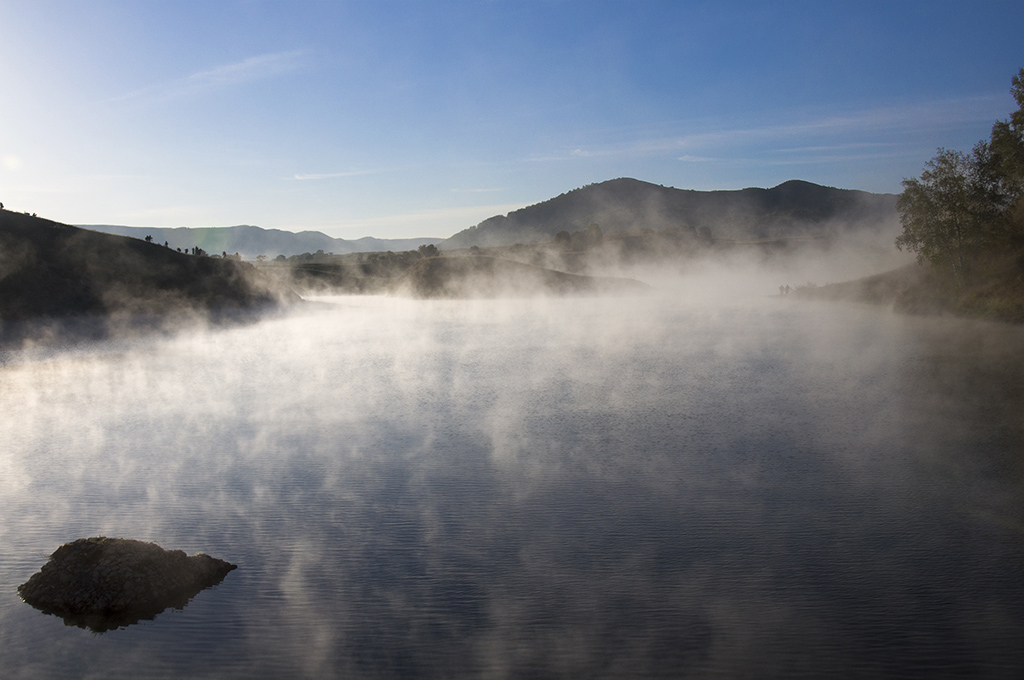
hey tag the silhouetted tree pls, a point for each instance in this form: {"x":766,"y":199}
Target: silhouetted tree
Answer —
{"x":429,"y":250}
{"x":963,"y":204}
{"x":1008,"y":142}
{"x":944,"y":212}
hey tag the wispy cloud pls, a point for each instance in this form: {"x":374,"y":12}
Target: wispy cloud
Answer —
{"x":226,"y":75}
{"x":330,"y":175}
{"x":883,"y":126}
{"x":813,"y":159}
{"x":835,"y":147}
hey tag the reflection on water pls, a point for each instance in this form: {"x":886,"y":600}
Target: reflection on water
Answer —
{"x":504,"y":489}
{"x":103,"y":583}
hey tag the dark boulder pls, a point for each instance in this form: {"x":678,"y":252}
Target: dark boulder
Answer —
{"x":104,"y":583}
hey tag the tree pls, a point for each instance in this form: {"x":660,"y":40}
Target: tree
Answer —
{"x":429,"y":250}
{"x":963,"y":205}
{"x":1008,"y":143}
{"x":953,"y":210}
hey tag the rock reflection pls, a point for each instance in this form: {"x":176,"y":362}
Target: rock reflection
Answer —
{"x":106,"y":583}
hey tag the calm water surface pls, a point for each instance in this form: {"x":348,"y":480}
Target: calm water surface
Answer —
{"x":535,"y":489}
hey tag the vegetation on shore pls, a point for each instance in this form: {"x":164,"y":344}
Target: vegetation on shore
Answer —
{"x":476,"y":276}
{"x":589,"y":252}
{"x":579,"y":253}
{"x":964,"y":217}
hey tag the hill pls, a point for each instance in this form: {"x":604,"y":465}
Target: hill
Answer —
{"x":56,"y":272}
{"x":249,"y":241}
{"x":794,"y":209}
{"x":996,"y":291}
{"x":489,"y":277}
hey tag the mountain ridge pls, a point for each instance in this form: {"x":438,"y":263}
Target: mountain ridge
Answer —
{"x":793,"y":208}
{"x":250,"y":241}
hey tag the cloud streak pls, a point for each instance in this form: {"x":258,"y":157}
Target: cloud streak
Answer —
{"x":330,"y":175}
{"x":884,"y":125}
{"x":248,"y":70}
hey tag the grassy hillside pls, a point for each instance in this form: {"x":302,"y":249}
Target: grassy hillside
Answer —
{"x":52,"y":271}
{"x":995,"y":291}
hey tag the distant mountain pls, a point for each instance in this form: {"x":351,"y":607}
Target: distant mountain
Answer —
{"x":249,"y":241}
{"x":792,"y":209}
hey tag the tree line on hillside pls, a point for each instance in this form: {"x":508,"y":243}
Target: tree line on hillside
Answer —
{"x":592,"y":249}
{"x":966,"y":210}
{"x":349,"y":273}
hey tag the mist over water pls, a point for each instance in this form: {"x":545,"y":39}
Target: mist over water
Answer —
{"x":642,"y":487}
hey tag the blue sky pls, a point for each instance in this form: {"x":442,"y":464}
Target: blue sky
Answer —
{"x":395,"y":119}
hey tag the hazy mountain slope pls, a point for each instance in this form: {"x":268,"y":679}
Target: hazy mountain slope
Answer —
{"x":795,"y":208}
{"x":51,"y":270}
{"x":488,"y":277}
{"x":249,"y":241}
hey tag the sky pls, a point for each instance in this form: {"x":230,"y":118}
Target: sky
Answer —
{"x":397,"y":119}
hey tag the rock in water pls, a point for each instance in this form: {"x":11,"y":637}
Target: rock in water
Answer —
{"x":104,"y":583}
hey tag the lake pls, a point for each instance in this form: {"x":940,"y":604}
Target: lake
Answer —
{"x":644,"y":488}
